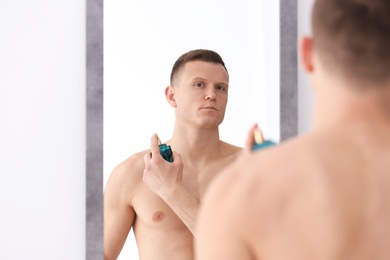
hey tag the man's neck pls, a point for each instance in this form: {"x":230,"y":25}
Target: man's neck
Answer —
{"x":339,"y":103}
{"x":196,"y":144}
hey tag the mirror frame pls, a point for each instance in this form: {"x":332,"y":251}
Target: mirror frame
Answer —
{"x":288,"y":69}
{"x":94,"y":118}
{"x":94,"y":130}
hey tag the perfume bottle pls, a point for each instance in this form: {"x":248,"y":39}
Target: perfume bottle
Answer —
{"x":166,"y":152}
{"x":260,"y":143}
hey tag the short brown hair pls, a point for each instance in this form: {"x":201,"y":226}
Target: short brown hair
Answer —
{"x":353,"y":37}
{"x":196,"y":55}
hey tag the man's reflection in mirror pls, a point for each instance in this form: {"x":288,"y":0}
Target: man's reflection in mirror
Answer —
{"x":160,"y":199}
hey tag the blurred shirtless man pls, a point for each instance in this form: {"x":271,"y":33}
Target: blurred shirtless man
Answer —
{"x":326,"y":194}
{"x":160,"y":200}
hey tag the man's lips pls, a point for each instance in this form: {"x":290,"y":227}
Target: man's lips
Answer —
{"x":210,"y":108}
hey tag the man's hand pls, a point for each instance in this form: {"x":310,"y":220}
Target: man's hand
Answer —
{"x":159,"y":175}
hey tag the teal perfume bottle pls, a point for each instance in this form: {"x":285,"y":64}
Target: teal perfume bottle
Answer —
{"x":260,"y":142}
{"x":265,"y":144}
{"x":166,"y":152}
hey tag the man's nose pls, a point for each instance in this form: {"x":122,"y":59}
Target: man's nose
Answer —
{"x":210,"y":94}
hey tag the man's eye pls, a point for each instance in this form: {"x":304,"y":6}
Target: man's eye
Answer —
{"x":220,"y":88}
{"x":199,"y":84}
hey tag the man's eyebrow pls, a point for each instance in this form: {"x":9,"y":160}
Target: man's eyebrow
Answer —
{"x":198,"y":78}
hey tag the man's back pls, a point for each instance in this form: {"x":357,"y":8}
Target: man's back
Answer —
{"x":325,"y":195}
{"x":338,"y":206}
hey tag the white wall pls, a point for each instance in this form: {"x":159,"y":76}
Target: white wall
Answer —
{"x":42,"y":129}
{"x":142,"y":40}
{"x":305,"y":94}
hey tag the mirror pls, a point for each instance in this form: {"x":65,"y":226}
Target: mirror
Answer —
{"x":143,"y":39}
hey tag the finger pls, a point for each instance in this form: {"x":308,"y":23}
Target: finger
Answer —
{"x":250,"y":140}
{"x":147,"y":157}
{"x":154,"y":148}
{"x":179,"y":163}
{"x":176,"y":157}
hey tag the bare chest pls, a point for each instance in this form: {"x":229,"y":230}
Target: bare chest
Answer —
{"x":154,"y":212}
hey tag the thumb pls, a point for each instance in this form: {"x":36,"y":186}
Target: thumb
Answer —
{"x":154,"y":148}
{"x":250,"y":139}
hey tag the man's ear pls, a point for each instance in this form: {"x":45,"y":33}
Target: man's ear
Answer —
{"x":170,"y":95}
{"x":306,"y":54}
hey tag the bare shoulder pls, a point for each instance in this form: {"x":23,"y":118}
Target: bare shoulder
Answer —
{"x":294,"y":170}
{"x":300,"y":167}
{"x":253,"y":173}
{"x":128,"y":174}
{"x":272,"y":191}
{"x":230,"y":150}
{"x":250,"y":189}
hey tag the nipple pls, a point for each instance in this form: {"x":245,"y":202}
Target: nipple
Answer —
{"x":158,"y":216}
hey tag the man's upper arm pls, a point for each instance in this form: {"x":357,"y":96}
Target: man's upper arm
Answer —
{"x":118,"y":212}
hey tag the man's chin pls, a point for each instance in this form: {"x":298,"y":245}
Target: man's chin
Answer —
{"x":209,"y":124}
